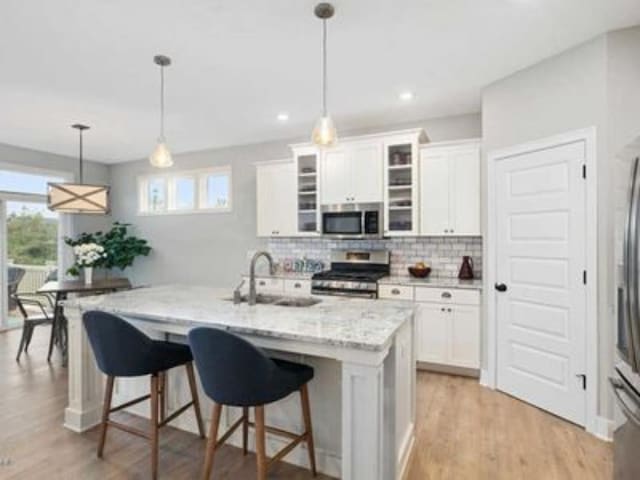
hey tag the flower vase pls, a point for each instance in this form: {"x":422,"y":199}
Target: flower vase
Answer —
{"x":88,"y":275}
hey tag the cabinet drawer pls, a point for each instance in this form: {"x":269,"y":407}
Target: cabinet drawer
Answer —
{"x":448,"y":295}
{"x":297,"y":286}
{"x":267,"y":284}
{"x":396,"y":292}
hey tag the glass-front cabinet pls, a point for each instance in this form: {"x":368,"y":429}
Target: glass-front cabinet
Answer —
{"x":307,"y":191}
{"x":401,"y":185}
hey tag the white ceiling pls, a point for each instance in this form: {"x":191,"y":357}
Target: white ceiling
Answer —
{"x":237,"y":64}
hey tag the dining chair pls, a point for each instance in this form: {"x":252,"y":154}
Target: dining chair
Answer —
{"x":32,"y":318}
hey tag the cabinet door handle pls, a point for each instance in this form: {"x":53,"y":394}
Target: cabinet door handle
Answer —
{"x":442,"y":309}
{"x":446,"y":231}
{"x":296,"y":285}
{"x":395,"y":291}
{"x":448,"y":310}
{"x":262,"y":283}
{"x":446,"y":295}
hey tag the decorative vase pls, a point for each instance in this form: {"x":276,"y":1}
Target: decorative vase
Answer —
{"x":88,"y":275}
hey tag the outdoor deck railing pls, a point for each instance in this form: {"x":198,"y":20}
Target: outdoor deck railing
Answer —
{"x":34,"y":277}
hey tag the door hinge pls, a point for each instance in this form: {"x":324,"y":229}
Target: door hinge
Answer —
{"x":584,"y":171}
{"x":584,"y":277}
{"x":583,"y":377}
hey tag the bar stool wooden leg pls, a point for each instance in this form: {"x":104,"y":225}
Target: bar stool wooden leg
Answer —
{"x":162,"y":387}
{"x":194,"y":396}
{"x":260,"y":444}
{"x":154,"y":425}
{"x":106,"y":407}
{"x":245,"y":430}
{"x":306,"y":417}
{"x":211,"y":443}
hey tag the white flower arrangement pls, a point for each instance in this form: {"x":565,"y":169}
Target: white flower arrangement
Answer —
{"x":89,"y":254}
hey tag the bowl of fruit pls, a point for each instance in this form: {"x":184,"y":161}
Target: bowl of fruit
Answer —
{"x":420,"y":270}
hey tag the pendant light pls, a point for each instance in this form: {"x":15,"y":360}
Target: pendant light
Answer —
{"x":324,"y":134}
{"x":161,"y":156}
{"x":78,"y":197}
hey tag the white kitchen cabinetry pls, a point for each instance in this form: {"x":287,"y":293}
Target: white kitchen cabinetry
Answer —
{"x":450,"y":188}
{"x":401,"y":184}
{"x":351,"y":173}
{"x":447,"y":324}
{"x":275,"y":199}
{"x":305,"y":180}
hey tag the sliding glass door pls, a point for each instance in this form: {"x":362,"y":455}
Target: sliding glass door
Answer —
{"x":30,"y":239}
{"x":32,"y":234}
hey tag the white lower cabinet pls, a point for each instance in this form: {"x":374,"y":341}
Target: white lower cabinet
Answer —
{"x":447,"y":324}
{"x":448,"y":334}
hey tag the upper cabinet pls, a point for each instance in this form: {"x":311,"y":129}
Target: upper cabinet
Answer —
{"x":307,"y":191}
{"x":275,"y":195}
{"x":400,"y":178}
{"x":450,"y":188}
{"x":351,"y":173}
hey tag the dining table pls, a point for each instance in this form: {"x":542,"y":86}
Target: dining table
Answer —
{"x":60,"y":290}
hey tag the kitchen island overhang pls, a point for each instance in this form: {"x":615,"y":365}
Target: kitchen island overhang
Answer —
{"x":363,"y":396}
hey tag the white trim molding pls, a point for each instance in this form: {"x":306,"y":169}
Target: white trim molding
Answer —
{"x":593,"y":423}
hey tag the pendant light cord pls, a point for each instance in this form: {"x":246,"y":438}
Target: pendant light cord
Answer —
{"x":162,"y":103}
{"x":80,"y":156}
{"x":324,"y":67}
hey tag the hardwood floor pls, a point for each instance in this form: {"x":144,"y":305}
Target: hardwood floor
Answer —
{"x":464,"y":431}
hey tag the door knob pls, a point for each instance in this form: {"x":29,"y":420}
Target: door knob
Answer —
{"x":501,"y":287}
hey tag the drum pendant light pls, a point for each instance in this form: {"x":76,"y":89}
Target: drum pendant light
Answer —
{"x":161,"y":156}
{"x":78,"y":197}
{"x":324,"y":134}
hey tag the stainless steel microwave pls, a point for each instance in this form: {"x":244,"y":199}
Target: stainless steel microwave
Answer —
{"x":363,"y":220}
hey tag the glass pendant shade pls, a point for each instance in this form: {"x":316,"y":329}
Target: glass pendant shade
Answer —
{"x":161,"y":156}
{"x":324,"y":133}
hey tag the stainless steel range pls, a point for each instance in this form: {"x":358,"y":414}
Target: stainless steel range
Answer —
{"x":353,"y":273}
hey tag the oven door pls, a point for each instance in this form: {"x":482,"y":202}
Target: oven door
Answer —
{"x":343,"y":224}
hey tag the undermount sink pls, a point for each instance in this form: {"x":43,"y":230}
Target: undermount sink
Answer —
{"x":282,"y":301}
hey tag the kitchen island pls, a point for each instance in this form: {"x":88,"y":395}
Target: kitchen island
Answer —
{"x":362,"y":396}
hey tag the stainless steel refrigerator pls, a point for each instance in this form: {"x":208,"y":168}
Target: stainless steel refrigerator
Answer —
{"x":625,"y":383}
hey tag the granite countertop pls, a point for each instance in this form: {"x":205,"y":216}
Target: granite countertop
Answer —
{"x":436,"y":282}
{"x":346,"y":322}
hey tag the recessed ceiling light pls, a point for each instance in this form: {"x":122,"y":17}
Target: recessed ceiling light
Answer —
{"x":283,"y":117}
{"x":406,"y":96}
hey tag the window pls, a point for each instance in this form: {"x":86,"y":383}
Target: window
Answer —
{"x":30,"y":183}
{"x":197,"y":191}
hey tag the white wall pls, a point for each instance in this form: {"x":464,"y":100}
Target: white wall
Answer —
{"x":211,"y":248}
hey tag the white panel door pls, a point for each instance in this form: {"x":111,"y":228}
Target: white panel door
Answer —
{"x":366,"y":173}
{"x":335,"y":186}
{"x":540,"y":230}
{"x":434,"y":193}
{"x":432,"y":334}
{"x":275,"y":199}
{"x":465,"y":192}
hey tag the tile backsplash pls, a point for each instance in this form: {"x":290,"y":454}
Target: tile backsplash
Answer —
{"x":443,"y":254}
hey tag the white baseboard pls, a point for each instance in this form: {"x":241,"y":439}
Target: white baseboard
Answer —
{"x":603,"y":429}
{"x":484,"y":378}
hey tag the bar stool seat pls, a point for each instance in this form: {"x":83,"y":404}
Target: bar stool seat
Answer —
{"x":121,"y":350}
{"x":236,"y":373}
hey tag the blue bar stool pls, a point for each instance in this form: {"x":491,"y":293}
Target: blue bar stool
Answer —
{"x":121,"y":350}
{"x":235,"y":373}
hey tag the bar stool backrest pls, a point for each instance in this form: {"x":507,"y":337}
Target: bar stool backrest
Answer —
{"x":121,"y":350}
{"x":232,"y":370}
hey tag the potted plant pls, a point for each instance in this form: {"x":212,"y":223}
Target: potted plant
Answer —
{"x":120,"y":248}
